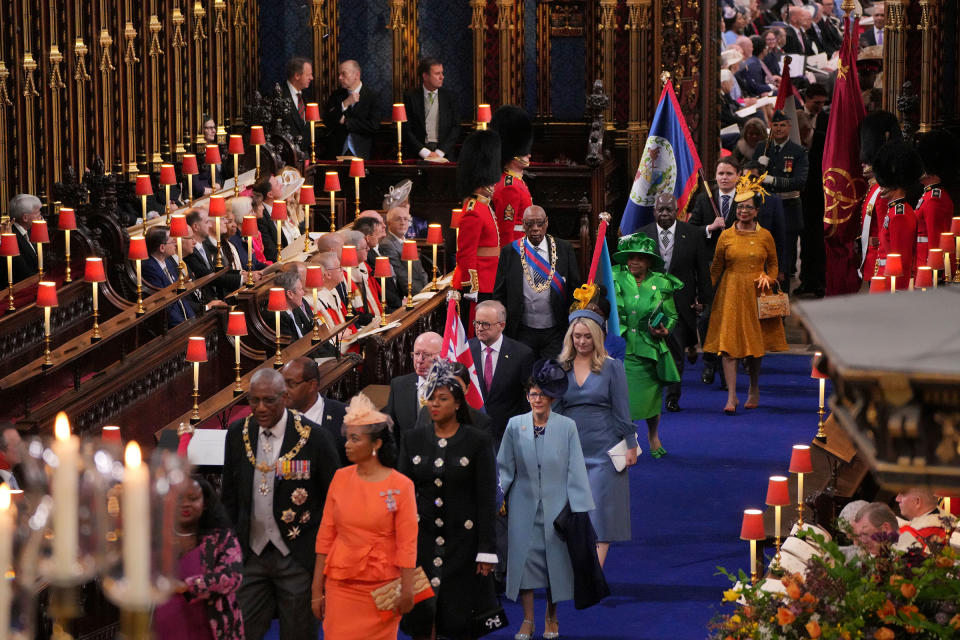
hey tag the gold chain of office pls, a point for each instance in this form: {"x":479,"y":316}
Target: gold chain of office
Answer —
{"x":290,"y":455}
{"x":527,"y":272}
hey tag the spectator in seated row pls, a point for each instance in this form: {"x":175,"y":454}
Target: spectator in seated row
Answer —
{"x":161,"y":270}
{"x":398,"y":221}
{"x":24,"y":210}
{"x":295,"y":322}
{"x":240,"y":207}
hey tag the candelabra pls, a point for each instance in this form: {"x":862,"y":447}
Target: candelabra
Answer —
{"x":822,"y":380}
{"x":277,"y":303}
{"x":237,"y":327}
{"x":47,"y":299}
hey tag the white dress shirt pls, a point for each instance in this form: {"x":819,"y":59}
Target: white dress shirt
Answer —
{"x":293,"y":96}
{"x":431,"y":114}
{"x":494,"y":356}
{"x":666,"y":248}
{"x":315,"y":413}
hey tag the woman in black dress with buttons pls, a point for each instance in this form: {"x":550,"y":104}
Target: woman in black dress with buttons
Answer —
{"x":453,"y":469}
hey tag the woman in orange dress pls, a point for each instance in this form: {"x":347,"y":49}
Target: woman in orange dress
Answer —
{"x":368,"y":535}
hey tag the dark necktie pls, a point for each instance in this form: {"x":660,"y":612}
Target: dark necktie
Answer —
{"x":301,"y":107}
{"x":724,"y":206}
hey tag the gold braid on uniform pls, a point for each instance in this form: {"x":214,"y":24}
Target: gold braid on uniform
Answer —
{"x":263,"y":467}
{"x":543,"y":286}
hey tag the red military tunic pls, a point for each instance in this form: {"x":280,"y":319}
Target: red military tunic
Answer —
{"x":511,"y":197}
{"x":898,"y":234}
{"x":478,"y":249}
{"x":875,"y":206}
{"x":933,"y":218}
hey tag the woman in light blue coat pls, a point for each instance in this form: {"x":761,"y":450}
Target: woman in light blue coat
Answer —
{"x":541,"y":470}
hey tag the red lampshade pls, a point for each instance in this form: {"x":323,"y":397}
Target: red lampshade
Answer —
{"x":800,"y":461}
{"x":179,"y":227}
{"x":212,"y":154}
{"x":434,"y":234}
{"x":307,"y":196}
{"x":237,"y":324}
{"x":924,"y":278}
{"x":814,"y":372}
{"x":312,"y":112}
{"x":248,"y":227}
{"x":483,"y":113}
{"x":778,"y":493}
{"x":455,"y":218}
{"x":138,"y":248}
{"x":955,"y":226}
{"x":8,"y":245}
{"x":256,"y":135}
{"x":382,"y":268}
{"x":93,"y":270}
{"x":235,"y":145}
{"x":409,"y":250}
{"x":39,"y":231}
{"x":67,"y":219}
{"x":143,"y":186}
{"x":218,"y":207}
{"x":197,"y":349}
{"x":935,"y":259}
{"x":47,"y":294}
{"x":168,"y":175}
{"x":878,"y":284}
{"x":752,"y":527}
{"x":190,"y":165}
{"x":348,"y":256}
{"x":947,"y":243}
{"x":356,"y":168}
{"x":331,"y":181}
{"x":111,"y":433}
{"x":278,"y":210}
{"x":894,"y":266}
{"x":277,"y":300}
{"x":314,"y":277}
{"x":399,"y":112}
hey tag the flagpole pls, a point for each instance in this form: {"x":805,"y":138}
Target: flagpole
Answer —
{"x":706,"y":186}
{"x":786,"y":66}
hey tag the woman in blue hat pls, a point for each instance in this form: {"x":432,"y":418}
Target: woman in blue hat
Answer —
{"x":647,"y":315}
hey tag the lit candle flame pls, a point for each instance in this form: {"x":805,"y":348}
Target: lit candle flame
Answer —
{"x":61,"y":427}
{"x":132,"y":455}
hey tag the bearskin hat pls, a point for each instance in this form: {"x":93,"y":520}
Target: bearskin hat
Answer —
{"x":479,"y":162}
{"x":877,"y":129}
{"x":937,"y":150}
{"x":516,"y":132}
{"x":897,"y":166}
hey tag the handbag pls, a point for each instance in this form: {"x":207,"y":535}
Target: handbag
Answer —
{"x":385,"y":597}
{"x":773,"y":305}
{"x":488,"y":615}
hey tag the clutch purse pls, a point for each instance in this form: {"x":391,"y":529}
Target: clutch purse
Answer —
{"x":618,"y":455}
{"x":386,"y":597}
{"x":773,"y":305}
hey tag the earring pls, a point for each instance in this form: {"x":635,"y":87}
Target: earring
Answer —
{"x":374,"y":453}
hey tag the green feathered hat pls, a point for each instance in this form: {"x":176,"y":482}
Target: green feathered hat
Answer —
{"x":638,"y":243}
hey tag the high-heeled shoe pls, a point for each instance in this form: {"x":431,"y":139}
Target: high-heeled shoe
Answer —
{"x":659,"y":452}
{"x":550,"y":635}
{"x":525,"y":636}
{"x":731,"y":412}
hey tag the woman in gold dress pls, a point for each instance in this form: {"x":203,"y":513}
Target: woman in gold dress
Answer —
{"x":744,"y":264}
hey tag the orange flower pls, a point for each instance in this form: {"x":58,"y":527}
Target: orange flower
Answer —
{"x":813,"y":628}
{"x":895,"y":580}
{"x":785,"y":616}
{"x":908,"y":589}
{"x":794,"y":591}
{"x":748,"y":612}
{"x":809,"y":598}
{"x":883,"y":634}
{"x":910,"y":610}
{"x":944,"y":562}
{"x":955,"y":621}
{"x":886,"y":610}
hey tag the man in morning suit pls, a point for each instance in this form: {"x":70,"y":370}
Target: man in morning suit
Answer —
{"x":299,"y":73}
{"x":24,"y":209}
{"x":277,"y":467}
{"x":161,"y":270}
{"x":503,"y":367}
{"x":374,"y":231}
{"x":406,"y":392}
{"x":873,"y":35}
{"x":296,"y":321}
{"x":684,"y":253}
{"x":302,"y":377}
{"x":352,"y":115}
{"x":432,"y":127}
{"x":545,"y":268}
{"x":391,"y":245}
{"x":202,"y":260}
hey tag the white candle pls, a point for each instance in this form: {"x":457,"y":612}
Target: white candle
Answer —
{"x":139,"y":277}
{"x":823,"y":385}
{"x":236,"y":345}
{"x":800,"y":490}
{"x":95,"y":305}
{"x":65,"y":538}
{"x":753,"y":558}
{"x":46,"y":321}
{"x":40,"y":257}
{"x":776,"y":519}
{"x":8,"y":515}
{"x":135,"y":509}
{"x":196,"y":375}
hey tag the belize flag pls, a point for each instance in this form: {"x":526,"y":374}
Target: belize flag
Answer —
{"x":669,"y":164}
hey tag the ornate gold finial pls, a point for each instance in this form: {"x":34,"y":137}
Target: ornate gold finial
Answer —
{"x":848,"y":6}
{"x":199,"y":13}
{"x":664,"y":77}
{"x":505,"y":15}
{"x":29,"y":67}
{"x":316,"y":16}
{"x":56,"y":81}
{"x":4,"y":75}
{"x":80,"y":51}
{"x":476,"y":19}
{"x":178,"y":20}
{"x":130,"y":54}
{"x":220,"y":24}
{"x":606,"y":217}
{"x":185,"y":428}
{"x":239,"y":21}
{"x":155,"y":28}
{"x":396,"y":15}
{"x":106,"y":64}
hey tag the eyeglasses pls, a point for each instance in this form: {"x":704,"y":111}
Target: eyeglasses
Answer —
{"x":480,"y":324}
{"x":293,"y":383}
{"x":536,"y":395}
{"x":746,"y":208}
{"x":528,"y":224}
{"x":424,"y":355}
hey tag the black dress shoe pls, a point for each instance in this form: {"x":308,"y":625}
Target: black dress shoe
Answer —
{"x":709,"y":373}
{"x":672,"y":405}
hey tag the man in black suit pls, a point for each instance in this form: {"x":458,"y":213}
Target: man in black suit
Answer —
{"x":798,"y":42}
{"x":813,"y":256}
{"x":202,"y":260}
{"x":295,"y":322}
{"x":299,"y":73}
{"x":352,"y":115}
{"x":276,"y":507}
{"x":302,"y":377}
{"x":536,"y":277}
{"x":683,"y":249}
{"x":873,"y":35}
{"x":371,"y":225}
{"x":406,"y":392}
{"x":503,"y":367}
{"x":432,"y":126}
{"x":24,"y":209}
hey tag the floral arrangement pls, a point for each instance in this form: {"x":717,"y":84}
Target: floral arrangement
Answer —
{"x":885,"y":597}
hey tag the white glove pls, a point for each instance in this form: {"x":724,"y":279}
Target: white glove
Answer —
{"x":764,"y":161}
{"x":768,"y":180}
{"x":470,"y":296}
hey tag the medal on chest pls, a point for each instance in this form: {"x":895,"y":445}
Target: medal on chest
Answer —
{"x":788,"y":164}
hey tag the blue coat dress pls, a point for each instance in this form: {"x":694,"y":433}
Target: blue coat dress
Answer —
{"x":542,"y":482}
{"x":601,"y":410}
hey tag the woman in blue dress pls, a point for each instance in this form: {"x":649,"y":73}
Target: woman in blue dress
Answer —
{"x":597,"y":399}
{"x":541,"y":471}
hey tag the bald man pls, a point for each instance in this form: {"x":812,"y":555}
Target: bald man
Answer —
{"x":918,"y":506}
{"x":352,"y":115}
{"x":406,"y":392}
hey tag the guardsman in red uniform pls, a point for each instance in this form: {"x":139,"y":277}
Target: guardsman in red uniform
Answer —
{"x":877,"y":129}
{"x":478,"y":249}
{"x":898,"y":169}
{"x":874,"y":207}
{"x":511,"y":197}
{"x":936,"y":149}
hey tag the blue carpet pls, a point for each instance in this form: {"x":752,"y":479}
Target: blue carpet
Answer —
{"x":686,"y":508}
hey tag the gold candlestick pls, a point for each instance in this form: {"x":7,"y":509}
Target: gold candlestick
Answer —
{"x":278,"y":357}
{"x":140,"y":310}
{"x":313,"y":145}
{"x":96,"y":315}
{"x":256,"y":149}
{"x":166,"y":193}
{"x":316,"y":318}
{"x":249,"y":261}
{"x":47,"y":362}
{"x":237,"y":386}
{"x":399,"y":142}
{"x":383,"y":301}
{"x":40,"y":259}
{"x":821,"y":434}
{"x":10,"y":305}
{"x":409,"y":284}
{"x":333,"y":227}
{"x":356,"y":190}
{"x":181,"y":267}
{"x":67,"y":277}
{"x":279,"y":241}
{"x":800,"y":499}
{"x":195,"y":418}
{"x":216,"y":222}
{"x":306,"y":227}
{"x":236,"y":177}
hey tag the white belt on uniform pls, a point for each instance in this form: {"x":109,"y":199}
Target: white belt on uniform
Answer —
{"x":923,"y":239}
{"x":789,"y":195}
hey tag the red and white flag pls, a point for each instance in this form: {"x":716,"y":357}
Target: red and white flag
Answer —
{"x":456,"y":349}
{"x":787,"y":97}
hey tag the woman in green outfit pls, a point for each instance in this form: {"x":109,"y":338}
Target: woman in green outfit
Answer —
{"x":647,"y":314}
